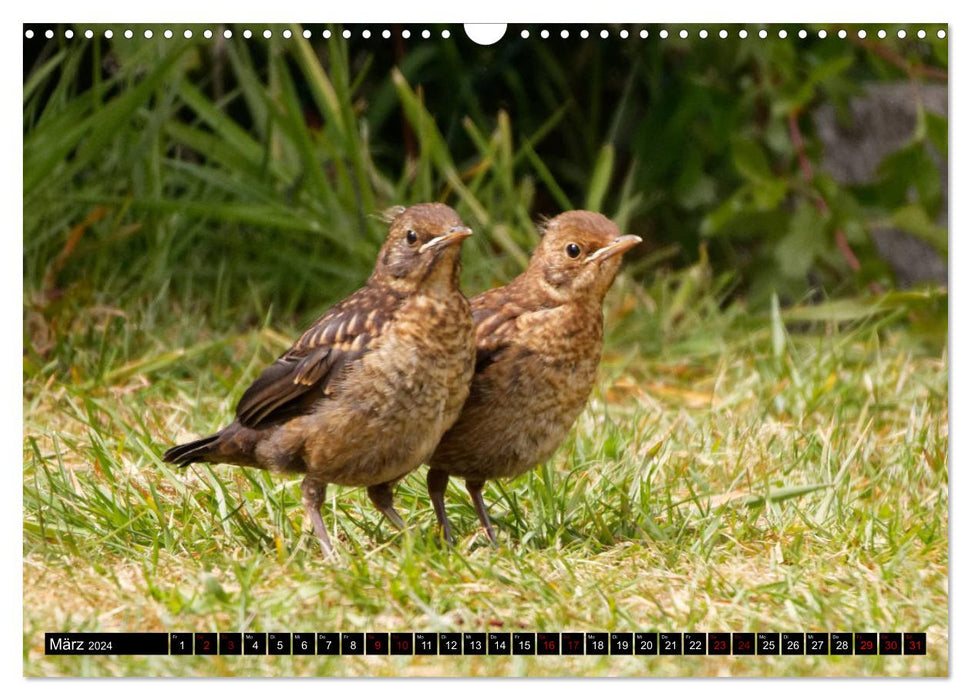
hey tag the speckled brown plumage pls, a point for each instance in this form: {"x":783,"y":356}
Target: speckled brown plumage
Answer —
{"x":362,"y":398}
{"x":538,"y":345}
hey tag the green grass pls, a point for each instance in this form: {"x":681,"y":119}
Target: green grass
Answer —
{"x":728,"y":475}
{"x":737,"y":469}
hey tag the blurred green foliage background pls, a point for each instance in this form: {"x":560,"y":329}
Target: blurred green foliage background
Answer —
{"x":226,"y":168}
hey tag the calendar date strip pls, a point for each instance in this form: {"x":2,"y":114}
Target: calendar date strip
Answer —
{"x":485,"y":643}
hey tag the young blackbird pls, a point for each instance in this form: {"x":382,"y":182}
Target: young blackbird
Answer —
{"x":538,"y":344}
{"x":365,"y":394}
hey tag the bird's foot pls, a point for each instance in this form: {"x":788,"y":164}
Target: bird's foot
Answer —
{"x":326,"y":548}
{"x":437,"y":483}
{"x":313,"y":498}
{"x":475,"y":491}
{"x":396,"y":520}
{"x":383,"y":499}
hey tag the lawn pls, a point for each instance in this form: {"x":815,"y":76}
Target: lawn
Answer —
{"x":732,"y":472}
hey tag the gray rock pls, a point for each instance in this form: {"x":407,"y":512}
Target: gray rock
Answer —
{"x":882,"y":120}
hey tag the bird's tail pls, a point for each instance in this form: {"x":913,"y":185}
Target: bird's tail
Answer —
{"x":196,"y":451}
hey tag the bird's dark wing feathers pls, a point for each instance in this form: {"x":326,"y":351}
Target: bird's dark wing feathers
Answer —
{"x":337,"y":338}
{"x":494,"y":314}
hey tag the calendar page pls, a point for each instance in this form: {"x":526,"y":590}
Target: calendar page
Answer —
{"x":571,"y":350}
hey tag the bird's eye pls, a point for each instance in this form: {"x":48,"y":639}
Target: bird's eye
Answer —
{"x":411,"y":237}
{"x":573,"y":250}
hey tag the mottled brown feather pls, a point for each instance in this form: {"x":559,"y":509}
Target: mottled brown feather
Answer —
{"x":494,"y":315}
{"x":335,"y":340}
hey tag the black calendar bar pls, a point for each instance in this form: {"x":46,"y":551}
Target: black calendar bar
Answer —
{"x":106,"y":643}
{"x":486,"y":644}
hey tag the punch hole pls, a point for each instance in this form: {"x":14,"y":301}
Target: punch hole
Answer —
{"x":487,"y":34}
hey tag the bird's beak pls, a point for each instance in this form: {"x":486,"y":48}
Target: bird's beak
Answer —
{"x":618,"y":246}
{"x":456,"y":234}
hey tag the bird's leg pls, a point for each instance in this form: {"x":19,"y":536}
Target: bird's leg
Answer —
{"x":313,"y":498}
{"x":475,"y":490}
{"x":437,"y":482}
{"x":383,"y":499}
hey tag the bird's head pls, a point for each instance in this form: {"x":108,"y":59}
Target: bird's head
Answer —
{"x":422,"y":250}
{"x":579,"y":256}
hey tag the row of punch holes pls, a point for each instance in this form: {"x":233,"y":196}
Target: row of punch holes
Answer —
{"x":525,"y":33}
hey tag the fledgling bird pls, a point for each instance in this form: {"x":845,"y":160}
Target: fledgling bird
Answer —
{"x":538,"y":345}
{"x":365,"y":394}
